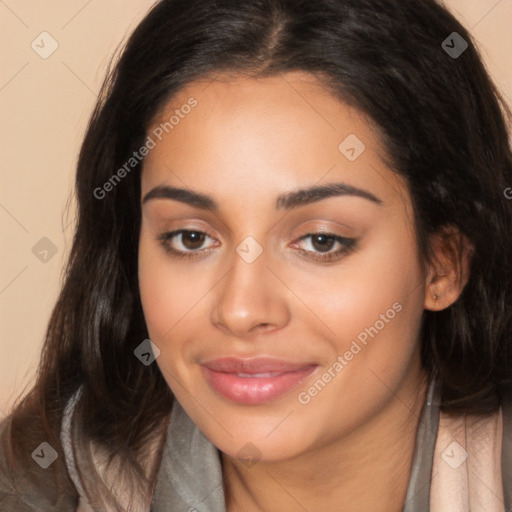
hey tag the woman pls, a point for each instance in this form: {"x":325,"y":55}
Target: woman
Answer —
{"x":290,"y":281}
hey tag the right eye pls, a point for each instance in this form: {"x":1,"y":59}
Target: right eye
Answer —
{"x":184,"y":243}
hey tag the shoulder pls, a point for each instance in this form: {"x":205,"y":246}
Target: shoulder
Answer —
{"x":473,"y":459}
{"x":113,"y":486}
{"x":25,"y":485}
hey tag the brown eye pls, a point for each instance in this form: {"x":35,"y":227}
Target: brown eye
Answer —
{"x":325,"y":246}
{"x":323,"y":243}
{"x":192,"y":239}
{"x":185,"y":242}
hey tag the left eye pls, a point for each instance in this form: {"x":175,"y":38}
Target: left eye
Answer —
{"x":320,"y":242}
{"x":323,"y":244}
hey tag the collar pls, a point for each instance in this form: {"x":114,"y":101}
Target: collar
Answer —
{"x":190,"y":476}
{"x":190,"y":472}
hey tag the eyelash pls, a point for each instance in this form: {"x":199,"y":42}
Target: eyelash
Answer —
{"x":348,"y":245}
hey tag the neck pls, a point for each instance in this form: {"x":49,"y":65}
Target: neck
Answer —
{"x":368,"y":469}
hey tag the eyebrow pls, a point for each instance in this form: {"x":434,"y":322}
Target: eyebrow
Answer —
{"x":288,"y":201}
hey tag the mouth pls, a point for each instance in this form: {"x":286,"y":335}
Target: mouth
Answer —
{"x":256,"y":380}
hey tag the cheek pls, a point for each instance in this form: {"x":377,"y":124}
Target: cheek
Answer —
{"x":373,"y":308}
{"x":375,"y":297}
{"x":166,"y":295}
{"x":168,"y":302}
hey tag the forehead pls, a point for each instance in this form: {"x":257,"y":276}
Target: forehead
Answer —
{"x":262,"y":134}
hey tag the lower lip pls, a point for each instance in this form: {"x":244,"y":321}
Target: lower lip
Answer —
{"x":254,"y":390}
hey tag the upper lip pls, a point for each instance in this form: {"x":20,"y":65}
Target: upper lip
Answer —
{"x":253,"y":365}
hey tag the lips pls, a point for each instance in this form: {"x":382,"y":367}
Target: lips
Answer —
{"x":255,"y":380}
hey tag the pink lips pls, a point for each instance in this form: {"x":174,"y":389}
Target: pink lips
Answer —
{"x":256,"y":380}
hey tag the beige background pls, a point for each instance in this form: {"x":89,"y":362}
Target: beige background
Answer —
{"x":44,"y":108}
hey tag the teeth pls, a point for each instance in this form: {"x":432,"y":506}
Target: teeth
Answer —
{"x":258,"y":375}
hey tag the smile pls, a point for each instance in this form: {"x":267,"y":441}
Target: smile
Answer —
{"x":254,"y":381}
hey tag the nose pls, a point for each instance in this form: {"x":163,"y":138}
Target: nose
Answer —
{"x":250,"y":299}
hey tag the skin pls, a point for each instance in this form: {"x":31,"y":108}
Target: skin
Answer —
{"x":245,"y":143}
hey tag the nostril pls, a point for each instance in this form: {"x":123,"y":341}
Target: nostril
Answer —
{"x":262,"y":327}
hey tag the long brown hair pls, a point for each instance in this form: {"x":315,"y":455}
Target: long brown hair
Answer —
{"x":443,"y":124}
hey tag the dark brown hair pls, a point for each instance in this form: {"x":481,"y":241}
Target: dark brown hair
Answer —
{"x":443,"y":125}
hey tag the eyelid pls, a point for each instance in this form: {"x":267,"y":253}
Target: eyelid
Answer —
{"x":326,"y":226}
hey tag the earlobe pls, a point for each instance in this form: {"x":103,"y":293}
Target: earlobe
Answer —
{"x":449,"y":269}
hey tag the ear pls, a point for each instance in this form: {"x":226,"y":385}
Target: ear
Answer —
{"x":448,"y":272}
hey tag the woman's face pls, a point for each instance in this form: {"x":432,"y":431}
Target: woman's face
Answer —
{"x":287,"y":305}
